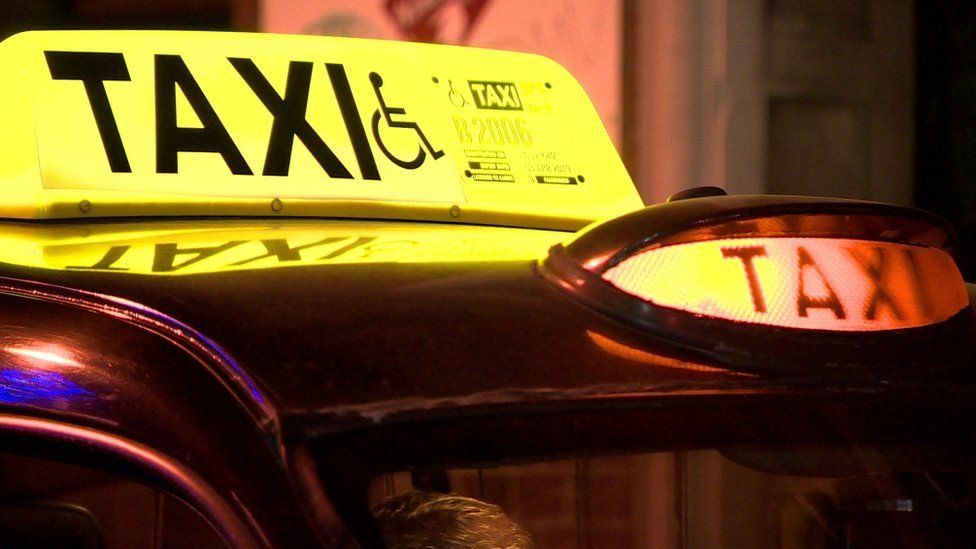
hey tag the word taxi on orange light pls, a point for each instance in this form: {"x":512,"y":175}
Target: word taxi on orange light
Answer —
{"x":734,"y":275}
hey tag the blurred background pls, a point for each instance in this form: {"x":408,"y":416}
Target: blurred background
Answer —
{"x":872,"y":99}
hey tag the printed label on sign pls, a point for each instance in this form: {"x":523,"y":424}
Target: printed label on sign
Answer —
{"x":510,"y":134}
{"x":808,"y":283}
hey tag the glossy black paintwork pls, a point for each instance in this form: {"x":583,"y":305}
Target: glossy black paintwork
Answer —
{"x":355,"y":341}
{"x":128,"y":382}
{"x":330,"y":339}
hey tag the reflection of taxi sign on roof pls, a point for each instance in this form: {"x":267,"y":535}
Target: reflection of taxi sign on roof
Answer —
{"x":299,"y":126}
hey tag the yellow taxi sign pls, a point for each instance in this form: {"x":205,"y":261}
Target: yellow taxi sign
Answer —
{"x":124,"y":123}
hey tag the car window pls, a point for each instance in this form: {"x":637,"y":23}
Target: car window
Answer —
{"x":701,"y":498}
{"x":52,"y":504}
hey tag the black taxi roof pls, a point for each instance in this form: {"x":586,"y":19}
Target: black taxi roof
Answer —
{"x":318,"y":336}
{"x":336,"y":338}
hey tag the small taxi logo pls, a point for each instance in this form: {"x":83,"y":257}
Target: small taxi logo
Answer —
{"x":495,"y":95}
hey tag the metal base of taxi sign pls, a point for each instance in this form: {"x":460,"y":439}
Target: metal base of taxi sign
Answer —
{"x":187,"y":123}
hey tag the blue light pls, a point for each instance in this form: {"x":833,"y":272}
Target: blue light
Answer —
{"x":33,"y":386}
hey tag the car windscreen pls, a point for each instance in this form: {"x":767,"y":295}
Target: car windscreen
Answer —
{"x":702,"y":498}
{"x":744,"y":470}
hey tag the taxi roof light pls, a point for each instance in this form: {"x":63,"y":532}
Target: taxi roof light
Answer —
{"x":195,"y":123}
{"x":804,"y":283}
{"x":775,"y":280}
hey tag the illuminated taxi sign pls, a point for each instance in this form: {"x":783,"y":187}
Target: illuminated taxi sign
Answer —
{"x":163,"y":123}
{"x":807,"y":283}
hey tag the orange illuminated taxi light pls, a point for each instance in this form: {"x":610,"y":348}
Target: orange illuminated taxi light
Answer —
{"x":806,"y":283}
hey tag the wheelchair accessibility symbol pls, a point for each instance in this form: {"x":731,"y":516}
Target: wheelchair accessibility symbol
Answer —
{"x":385,"y":114}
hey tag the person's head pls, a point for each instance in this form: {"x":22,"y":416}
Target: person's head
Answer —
{"x":421,"y":520}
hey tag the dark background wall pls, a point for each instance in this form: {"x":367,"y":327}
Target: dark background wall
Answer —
{"x":18,"y":15}
{"x":945,"y":176}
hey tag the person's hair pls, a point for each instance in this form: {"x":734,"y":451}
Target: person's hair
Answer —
{"x":423,"y":520}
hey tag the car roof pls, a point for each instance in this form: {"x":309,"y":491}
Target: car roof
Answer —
{"x":328,"y":336}
{"x":358,"y":340}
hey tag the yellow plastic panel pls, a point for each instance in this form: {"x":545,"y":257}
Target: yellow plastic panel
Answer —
{"x":806,"y":283}
{"x":188,"y":123}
